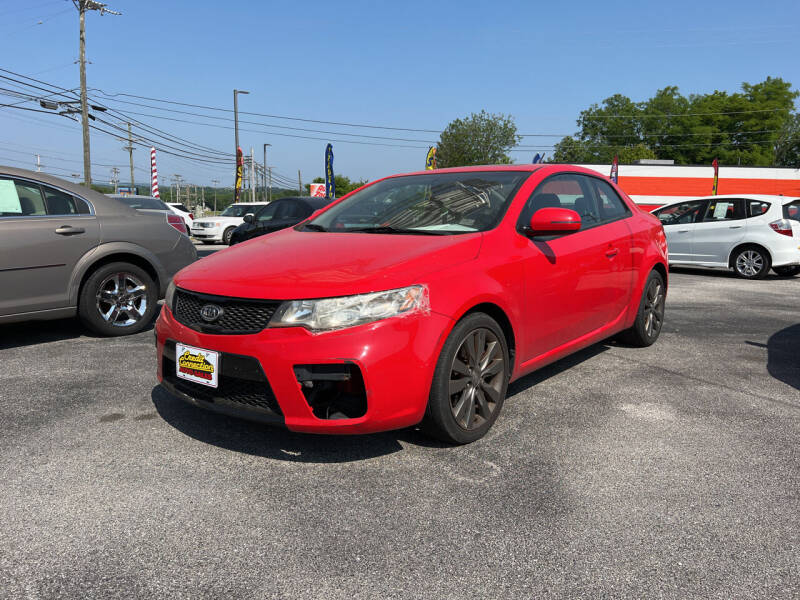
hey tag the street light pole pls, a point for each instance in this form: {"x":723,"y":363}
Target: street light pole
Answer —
{"x":236,"y":133}
{"x":216,"y":183}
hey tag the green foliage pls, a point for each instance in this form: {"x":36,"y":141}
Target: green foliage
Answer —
{"x":751,"y":127}
{"x":344,"y":185}
{"x":787,"y":147}
{"x":480,"y":139}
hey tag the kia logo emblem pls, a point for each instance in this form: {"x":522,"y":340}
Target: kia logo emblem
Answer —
{"x":210,"y":312}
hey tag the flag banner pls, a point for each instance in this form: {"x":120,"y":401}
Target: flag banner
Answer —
{"x":330,"y":182}
{"x":430,"y":159}
{"x":715,"y":187}
{"x":615,"y":169}
{"x":539,"y":158}
{"x":153,"y":175}
{"x":237,"y":188}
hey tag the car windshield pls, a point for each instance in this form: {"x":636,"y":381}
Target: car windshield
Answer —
{"x":429,"y":204}
{"x":792,"y":210}
{"x":145,"y":203}
{"x":238,"y":210}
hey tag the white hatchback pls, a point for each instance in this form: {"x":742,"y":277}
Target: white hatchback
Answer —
{"x":746,"y":233}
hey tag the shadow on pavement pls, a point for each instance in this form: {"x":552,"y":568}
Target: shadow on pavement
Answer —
{"x":28,"y":333}
{"x":524,"y":383}
{"x":783,"y":355}
{"x":723,"y":273}
{"x":276,"y":442}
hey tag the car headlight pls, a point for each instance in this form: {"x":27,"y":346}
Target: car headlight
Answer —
{"x":327,"y":314}
{"x":169,"y":297}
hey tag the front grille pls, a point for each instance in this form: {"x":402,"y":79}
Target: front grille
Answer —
{"x":239,"y":315}
{"x":241,"y":381}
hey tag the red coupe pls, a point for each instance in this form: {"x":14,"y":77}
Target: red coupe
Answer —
{"x":415,"y":300}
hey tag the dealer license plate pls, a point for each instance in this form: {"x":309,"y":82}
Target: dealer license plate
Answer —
{"x":197,"y":365}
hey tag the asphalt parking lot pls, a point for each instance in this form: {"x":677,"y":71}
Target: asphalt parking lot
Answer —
{"x":671,"y":471}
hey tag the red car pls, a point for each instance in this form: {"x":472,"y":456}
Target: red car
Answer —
{"x":415,"y":299}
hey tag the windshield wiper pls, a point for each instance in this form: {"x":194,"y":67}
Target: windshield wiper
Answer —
{"x":314,"y":227}
{"x":390,"y":229}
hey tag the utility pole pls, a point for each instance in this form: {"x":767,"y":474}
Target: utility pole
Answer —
{"x":177,"y":179}
{"x":216,"y":183}
{"x":38,"y":164}
{"x":269,"y":189}
{"x":299,"y":183}
{"x":115,"y":178}
{"x":129,"y":148}
{"x":252,"y":175}
{"x":83,"y":6}
{"x":236,"y":129}
{"x":265,"y":172}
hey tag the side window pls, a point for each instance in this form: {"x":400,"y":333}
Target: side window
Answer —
{"x":20,"y":199}
{"x":756,"y":208}
{"x":564,"y":191}
{"x":60,"y":203}
{"x":611,"y":205}
{"x":680,"y":214}
{"x":290,"y":210}
{"x":268,"y":212}
{"x":724,"y":210}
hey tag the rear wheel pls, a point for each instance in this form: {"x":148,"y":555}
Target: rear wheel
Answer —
{"x":752,"y":262}
{"x":470,"y":381}
{"x":650,"y":318}
{"x":118,"y":299}
{"x":789,"y":271}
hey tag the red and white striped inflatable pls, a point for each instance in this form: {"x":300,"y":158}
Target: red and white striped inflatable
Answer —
{"x":153,"y":175}
{"x":652,"y":186}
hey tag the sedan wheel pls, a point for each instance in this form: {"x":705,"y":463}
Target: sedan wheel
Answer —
{"x":121,"y":299}
{"x":650,"y":317}
{"x":470,"y":381}
{"x":118,"y":299}
{"x":751,"y":263}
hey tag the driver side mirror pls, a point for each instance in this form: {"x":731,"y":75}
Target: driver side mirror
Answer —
{"x":554,"y":221}
{"x":249,"y":218}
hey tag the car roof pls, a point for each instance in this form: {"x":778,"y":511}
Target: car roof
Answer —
{"x":761,"y":197}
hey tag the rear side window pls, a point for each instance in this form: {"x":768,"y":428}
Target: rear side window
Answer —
{"x":611,"y":205}
{"x":756,"y":208}
{"x":724,"y":210}
{"x":62,"y":203}
{"x":792,"y":210}
{"x":20,"y":199}
{"x":680,"y":214}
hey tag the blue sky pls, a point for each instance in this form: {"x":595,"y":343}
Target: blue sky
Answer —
{"x":415,"y":65}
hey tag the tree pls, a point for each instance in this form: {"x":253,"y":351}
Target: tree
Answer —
{"x":787,"y":147}
{"x":747,"y":127}
{"x":344,"y":185}
{"x":480,"y":139}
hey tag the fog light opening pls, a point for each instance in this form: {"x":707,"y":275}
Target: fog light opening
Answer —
{"x":333,"y":391}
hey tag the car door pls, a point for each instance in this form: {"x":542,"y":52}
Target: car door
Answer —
{"x":573,"y":282}
{"x":679,"y":226}
{"x":44,"y":231}
{"x":264,"y":219}
{"x":719,"y":230}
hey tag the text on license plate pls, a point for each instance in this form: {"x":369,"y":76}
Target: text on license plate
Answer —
{"x":197,"y":365}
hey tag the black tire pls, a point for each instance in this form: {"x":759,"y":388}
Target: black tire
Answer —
{"x":226,"y":235}
{"x":650,"y":317}
{"x":121,"y":286}
{"x":751,"y":262}
{"x":479,"y":378}
{"x":789,"y":271}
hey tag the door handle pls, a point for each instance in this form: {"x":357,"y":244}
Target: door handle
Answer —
{"x":69,"y":230}
{"x":612,"y":252}
{"x":735,"y":227}
{"x":683,"y":231}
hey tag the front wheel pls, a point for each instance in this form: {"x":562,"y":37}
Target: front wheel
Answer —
{"x":650,"y":317}
{"x":470,"y":381}
{"x":789,"y":271}
{"x":118,"y":299}
{"x":752,"y":263}
{"x":226,"y":236}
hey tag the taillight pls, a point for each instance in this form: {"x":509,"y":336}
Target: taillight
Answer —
{"x":177,"y":222}
{"x":191,"y":216}
{"x":782,"y":226}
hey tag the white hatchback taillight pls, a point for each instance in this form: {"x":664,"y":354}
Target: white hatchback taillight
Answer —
{"x":177,"y":222}
{"x":782,"y":226}
{"x":191,"y":216}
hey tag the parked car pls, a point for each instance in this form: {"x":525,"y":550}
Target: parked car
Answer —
{"x":220,"y":228}
{"x":746,"y":233}
{"x":182,"y":211}
{"x":66,"y":250}
{"x":278,"y":214}
{"x":459,"y":282}
{"x":150,"y":204}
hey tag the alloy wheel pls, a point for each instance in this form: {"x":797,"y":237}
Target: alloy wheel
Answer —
{"x":654,"y":307}
{"x":477,"y":377}
{"x":750,"y":263}
{"x":121,"y":299}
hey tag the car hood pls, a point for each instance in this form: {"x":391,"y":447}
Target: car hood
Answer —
{"x":292,"y":264}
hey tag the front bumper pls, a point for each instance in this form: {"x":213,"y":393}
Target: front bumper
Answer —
{"x":206,"y":233}
{"x":396,"y":357}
